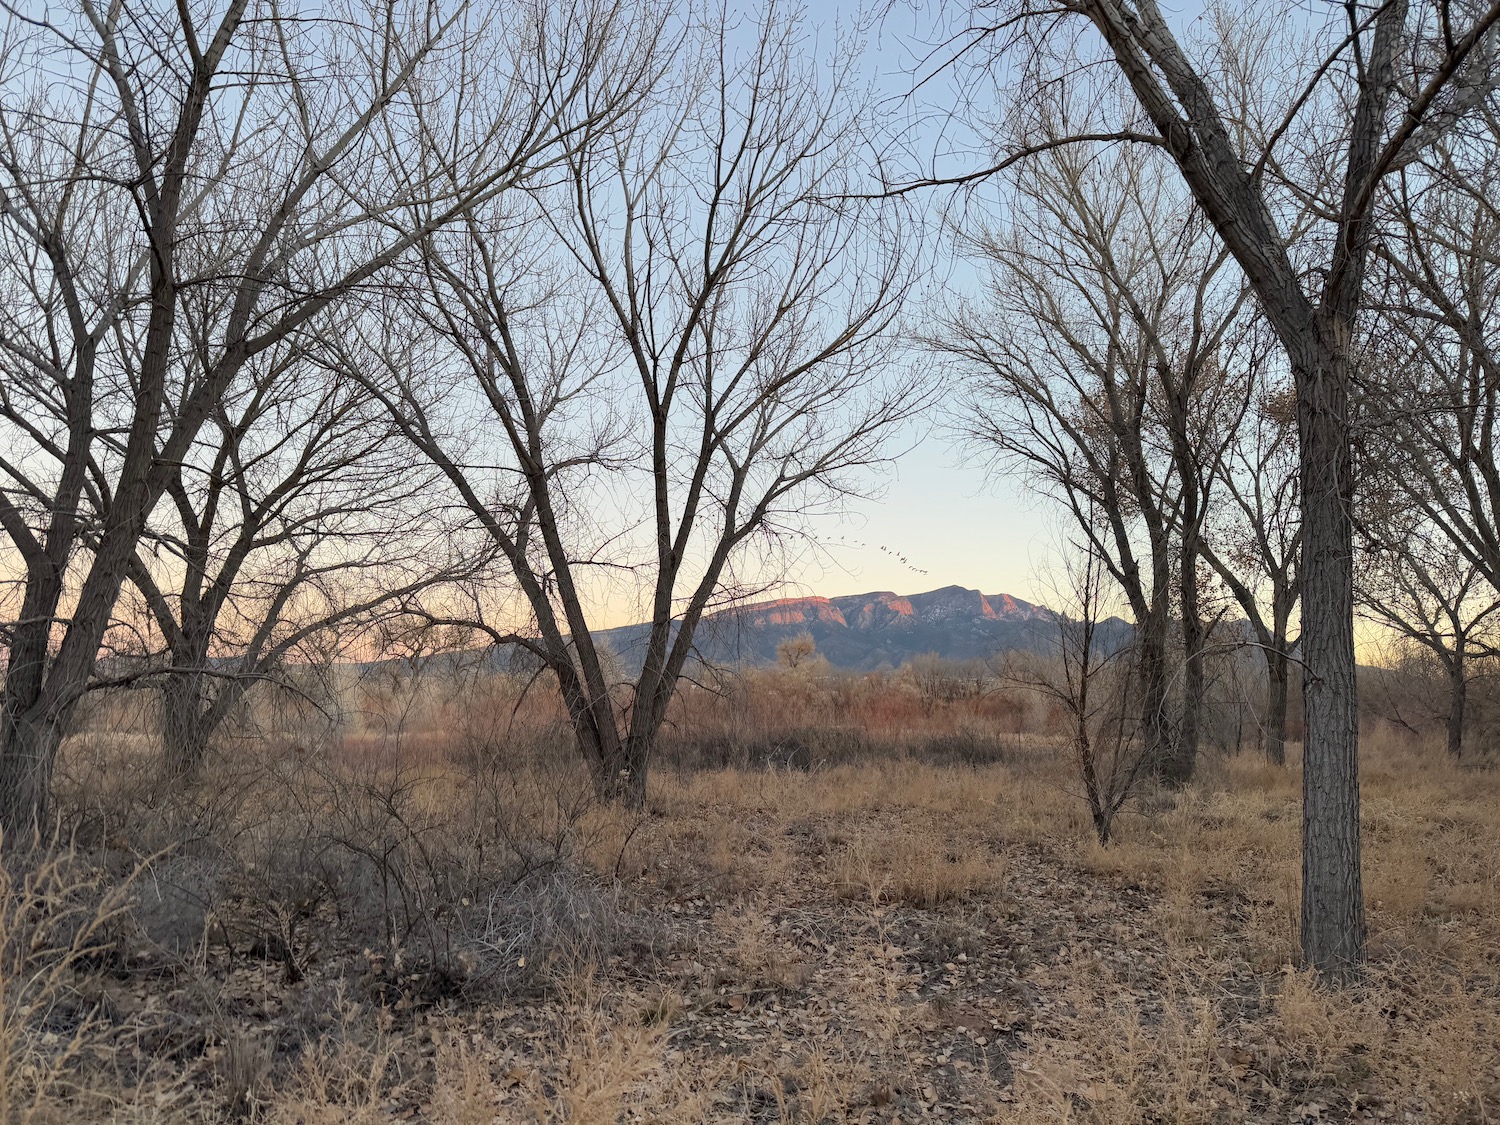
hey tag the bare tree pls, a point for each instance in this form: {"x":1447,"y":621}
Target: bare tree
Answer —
{"x":661,"y":363}
{"x":1416,"y":585}
{"x":1432,"y":385}
{"x":1096,"y":686}
{"x":157,"y":156}
{"x":1096,"y":368}
{"x":1432,"y":520}
{"x":1253,"y":539}
{"x":1388,"y":85}
{"x":294,"y":517}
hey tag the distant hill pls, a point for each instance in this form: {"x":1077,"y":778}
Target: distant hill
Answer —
{"x":865,"y":631}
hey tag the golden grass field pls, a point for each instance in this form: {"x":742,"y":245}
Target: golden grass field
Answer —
{"x":879,"y":940}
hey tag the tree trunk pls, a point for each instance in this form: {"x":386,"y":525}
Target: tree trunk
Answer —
{"x":182,"y":734}
{"x":594,"y":730}
{"x":31,"y":741}
{"x":606,"y":761}
{"x":1156,"y":732}
{"x":1178,"y":388}
{"x":1458,"y":698}
{"x":32,"y":730}
{"x":193,"y":707}
{"x":619,"y":763}
{"x":1333,"y":924}
{"x":1099,"y":812}
{"x":26,"y":745}
{"x":1278,"y":686}
{"x":637,"y":765}
{"x":1182,"y":760}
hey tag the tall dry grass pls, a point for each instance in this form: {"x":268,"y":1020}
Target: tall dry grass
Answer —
{"x":422,"y":915}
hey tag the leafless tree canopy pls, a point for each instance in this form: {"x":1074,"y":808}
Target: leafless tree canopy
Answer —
{"x":1293,"y":156}
{"x":1107,"y":366}
{"x":184,"y":189}
{"x":295,"y":517}
{"x":322,"y":323}
{"x":672,"y":349}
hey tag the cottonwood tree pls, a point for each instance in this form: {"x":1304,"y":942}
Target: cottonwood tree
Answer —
{"x":1413,"y":583}
{"x":1432,"y":384}
{"x":1433,"y":376}
{"x":1375,"y":93}
{"x":1096,"y":367}
{"x":662,"y":363}
{"x":295,"y":519}
{"x":1254,"y":534}
{"x":153,"y":154}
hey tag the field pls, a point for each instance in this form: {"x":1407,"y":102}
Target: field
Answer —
{"x":846,"y":900}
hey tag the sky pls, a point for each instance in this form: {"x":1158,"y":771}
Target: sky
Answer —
{"x":942,"y":518}
{"x":954,"y":522}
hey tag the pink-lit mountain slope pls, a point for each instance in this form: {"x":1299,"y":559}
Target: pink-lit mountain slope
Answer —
{"x":869,"y":630}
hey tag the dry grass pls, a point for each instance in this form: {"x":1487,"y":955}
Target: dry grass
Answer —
{"x":411,"y":929}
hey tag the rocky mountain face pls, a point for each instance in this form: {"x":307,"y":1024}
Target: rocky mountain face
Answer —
{"x":865,"y":631}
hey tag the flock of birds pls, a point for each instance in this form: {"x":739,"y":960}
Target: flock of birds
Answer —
{"x":844,"y":540}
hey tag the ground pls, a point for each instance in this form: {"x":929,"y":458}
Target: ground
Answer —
{"x":880,"y":942}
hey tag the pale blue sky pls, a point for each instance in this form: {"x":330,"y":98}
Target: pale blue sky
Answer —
{"x":940,"y":509}
{"x":946,"y":518}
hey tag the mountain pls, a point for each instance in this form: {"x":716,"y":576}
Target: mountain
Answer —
{"x":864,"y":631}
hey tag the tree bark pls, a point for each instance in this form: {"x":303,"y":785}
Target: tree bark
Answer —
{"x":26,"y":745}
{"x":1156,"y":728}
{"x":598,"y":742}
{"x":1333,"y":923}
{"x":194,"y":706}
{"x":1278,"y":687}
{"x":1182,"y":763}
{"x":1458,"y":698}
{"x":1183,"y":760}
{"x":182,"y":723}
{"x":31,"y":741}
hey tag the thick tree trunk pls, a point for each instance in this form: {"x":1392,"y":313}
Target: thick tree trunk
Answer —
{"x":31,"y":742}
{"x":193,"y":707}
{"x":1178,"y":389}
{"x":1182,"y":762}
{"x":182,"y":724}
{"x":594,"y":730}
{"x":605,"y":759}
{"x":1156,"y":729}
{"x":1278,"y":687}
{"x":620,"y":770}
{"x":618,"y":762}
{"x":193,"y":703}
{"x":1333,"y":923}
{"x":30,"y":730}
{"x":1458,"y":698}
{"x":638,"y":766}
{"x":654,"y":689}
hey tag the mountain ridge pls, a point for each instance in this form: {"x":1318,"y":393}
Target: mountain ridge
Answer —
{"x":865,"y":631}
